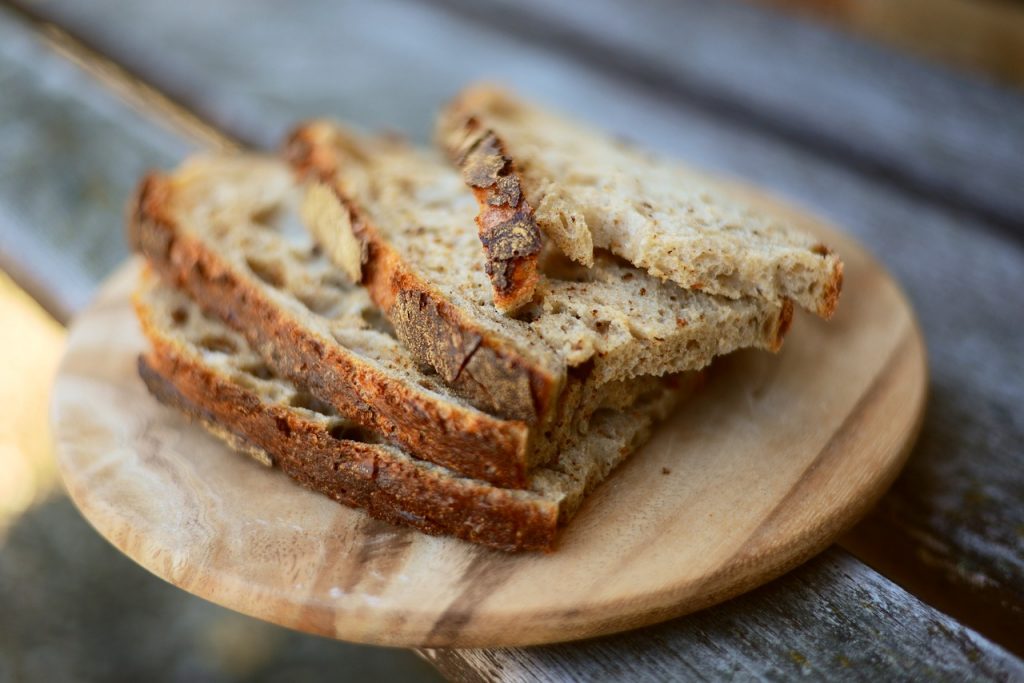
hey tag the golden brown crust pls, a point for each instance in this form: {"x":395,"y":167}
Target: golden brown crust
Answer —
{"x":782,"y":325}
{"x":352,"y":472}
{"x":478,"y":365}
{"x":468,"y":441}
{"x":511,"y":239}
{"x":830,"y":296}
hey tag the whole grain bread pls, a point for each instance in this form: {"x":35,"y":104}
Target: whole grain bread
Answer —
{"x":225,"y":230}
{"x":588,"y":190}
{"x":210,"y":372}
{"x":406,"y":219}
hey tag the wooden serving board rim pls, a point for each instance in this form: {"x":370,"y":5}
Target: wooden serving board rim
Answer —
{"x":602,"y":614}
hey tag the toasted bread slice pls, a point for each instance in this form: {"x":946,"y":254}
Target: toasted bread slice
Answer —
{"x":209,"y":371}
{"x":418,"y":256}
{"x":226,"y":230}
{"x":589,"y":190}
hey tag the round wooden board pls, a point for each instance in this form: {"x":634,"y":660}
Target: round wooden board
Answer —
{"x":757,"y":473}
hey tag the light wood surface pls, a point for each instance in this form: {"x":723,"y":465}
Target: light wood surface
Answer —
{"x":762,"y":470}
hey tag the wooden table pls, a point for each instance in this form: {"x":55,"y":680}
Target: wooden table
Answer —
{"x":925,"y":166}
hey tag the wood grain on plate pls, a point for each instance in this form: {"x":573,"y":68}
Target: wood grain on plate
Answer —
{"x":762,"y":470}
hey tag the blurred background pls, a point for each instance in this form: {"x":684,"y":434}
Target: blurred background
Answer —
{"x":877,"y":113}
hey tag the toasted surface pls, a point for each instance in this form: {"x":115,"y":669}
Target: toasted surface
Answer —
{"x":410,"y":212}
{"x":208,"y":371}
{"x":511,"y":239}
{"x":590,"y":190}
{"x":225,"y":229}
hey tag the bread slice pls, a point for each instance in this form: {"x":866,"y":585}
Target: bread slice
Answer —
{"x":226,"y":230}
{"x":590,"y":191}
{"x":411,"y":219}
{"x":208,"y":371}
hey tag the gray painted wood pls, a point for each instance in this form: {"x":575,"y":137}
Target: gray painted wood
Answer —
{"x":957,"y":510}
{"x":822,"y":623}
{"x":934,"y":130}
{"x":930,"y":129}
{"x":71,"y":153}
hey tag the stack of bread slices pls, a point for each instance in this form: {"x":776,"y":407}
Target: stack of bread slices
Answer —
{"x":466,"y":341}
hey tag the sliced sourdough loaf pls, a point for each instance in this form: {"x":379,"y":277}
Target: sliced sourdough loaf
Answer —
{"x":210,"y":372}
{"x":225,"y":230}
{"x":400,"y":220}
{"x":588,"y":190}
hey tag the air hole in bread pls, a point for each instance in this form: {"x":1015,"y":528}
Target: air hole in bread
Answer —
{"x":529,"y":314}
{"x":218,"y":343}
{"x":335,"y":281}
{"x":375,"y":320}
{"x":270,"y":272}
{"x":179,"y":316}
{"x":268,"y":217}
{"x":304,"y":399}
{"x":346,"y":431}
{"x":258,"y":370}
{"x":320,"y":303}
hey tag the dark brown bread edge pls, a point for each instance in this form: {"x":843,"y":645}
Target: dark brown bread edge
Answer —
{"x":511,"y":239}
{"x":487,"y":371}
{"x":351,"y":472}
{"x":470,"y":442}
{"x":785,"y":320}
{"x":829,"y":298}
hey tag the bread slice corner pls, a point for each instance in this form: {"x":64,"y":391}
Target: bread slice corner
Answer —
{"x":590,"y":190}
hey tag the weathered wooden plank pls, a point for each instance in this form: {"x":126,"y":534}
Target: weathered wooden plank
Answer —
{"x":834,"y":620}
{"x":957,"y":508}
{"x":71,"y":153}
{"x":985,"y":35}
{"x":929,"y":129}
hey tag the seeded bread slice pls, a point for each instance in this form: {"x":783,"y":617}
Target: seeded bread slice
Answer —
{"x":225,"y":229}
{"x":590,"y":191}
{"x":401,"y":219}
{"x":209,"y":372}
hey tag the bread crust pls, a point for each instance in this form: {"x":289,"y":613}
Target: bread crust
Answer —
{"x":487,"y":371}
{"x":468,"y":441}
{"x":510,"y":237}
{"x":354,"y":473}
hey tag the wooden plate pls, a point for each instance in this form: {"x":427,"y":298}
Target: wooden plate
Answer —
{"x":775,"y":458}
